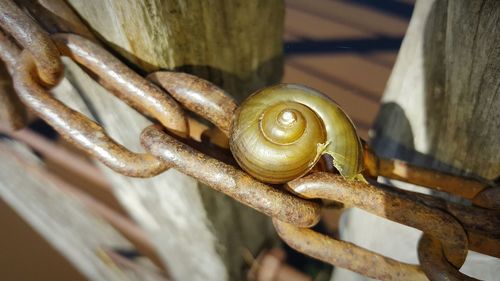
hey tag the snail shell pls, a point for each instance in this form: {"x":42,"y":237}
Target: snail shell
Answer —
{"x":280,"y":132}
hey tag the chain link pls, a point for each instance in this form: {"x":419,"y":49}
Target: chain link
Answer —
{"x":33,"y":38}
{"x":450,"y":229}
{"x":384,"y":203}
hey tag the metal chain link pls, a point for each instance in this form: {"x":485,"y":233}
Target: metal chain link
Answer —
{"x":33,"y":38}
{"x":450,"y":229}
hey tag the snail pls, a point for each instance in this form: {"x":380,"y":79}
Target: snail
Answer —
{"x":279,"y":133}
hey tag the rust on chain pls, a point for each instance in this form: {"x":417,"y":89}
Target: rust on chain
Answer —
{"x":435,"y":264}
{"x":55,"y":16}
{"x":480,"y":224}
{"x":488,"y":198}
{"x":446,"y":225}
{"x":346,"y":255}
{"x":484,"y":244}
{"x":464,"y":187}
{"x":230,"y":180}
{"x":30,"y":36}
{"x":12,"y":112}
{"x":124,"y":83}
{"x":472,"y":218}
{"x":199,"y":96}
{"x":77,"y":128}
{"x":387,"y":204}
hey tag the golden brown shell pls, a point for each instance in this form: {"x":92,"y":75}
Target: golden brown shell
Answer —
{"x":279,"y":133}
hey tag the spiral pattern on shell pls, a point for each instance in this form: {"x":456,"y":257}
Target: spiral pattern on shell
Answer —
{"x":280,"y":132}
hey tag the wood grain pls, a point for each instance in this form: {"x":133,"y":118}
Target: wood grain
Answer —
{"x":237,"y":45}
{"x":440,"y":110}
{"x":199,"y":234}
{"x":442,"y":101}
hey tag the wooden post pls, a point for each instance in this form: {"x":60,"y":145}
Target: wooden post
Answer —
{"x":200,"y":234}
{"x":441,"y":105}
{"x":441,"y":110}
{"x":236,"y":45}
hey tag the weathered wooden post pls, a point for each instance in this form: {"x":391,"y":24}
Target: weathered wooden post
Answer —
{"x":200,"y":235}
{"x":446,"y":84}
{"x":440,"y":110}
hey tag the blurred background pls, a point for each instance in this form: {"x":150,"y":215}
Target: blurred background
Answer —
{"x":345,"y":49}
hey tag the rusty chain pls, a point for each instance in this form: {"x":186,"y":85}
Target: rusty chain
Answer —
{"x":33,"y":58}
